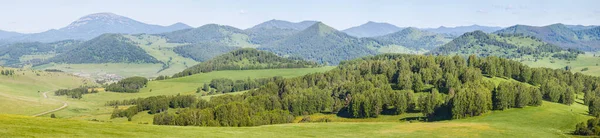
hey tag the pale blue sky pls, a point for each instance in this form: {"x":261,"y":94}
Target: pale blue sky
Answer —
{"x":40,"y":15}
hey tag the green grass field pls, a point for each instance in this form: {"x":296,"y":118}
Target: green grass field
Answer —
{"x":22,"y":93}
{"x":587,"y":60}
{"x":548,"y":120}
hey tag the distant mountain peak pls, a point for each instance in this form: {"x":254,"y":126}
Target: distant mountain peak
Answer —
{"x":281,"y":24}
{"x":372,"y":29}
{"x":105,"y":17}
{"x":321,"y":28}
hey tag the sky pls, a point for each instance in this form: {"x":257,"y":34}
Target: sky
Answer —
{"x":31,"y":16}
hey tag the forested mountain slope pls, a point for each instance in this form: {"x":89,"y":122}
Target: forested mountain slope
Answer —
{"x":107,"y":48}
{"x":322,"y":44}
{"x":503,"y":45}
{"x":246,"y":59}
{"x":19,"y":54}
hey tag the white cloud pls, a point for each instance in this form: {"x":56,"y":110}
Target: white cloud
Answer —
{"x":242,"y":11}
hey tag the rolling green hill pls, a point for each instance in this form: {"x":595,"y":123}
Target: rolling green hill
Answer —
{"x":322,"y":44}
{"x":22,"y":92}
{"x":107,"y":48}
{"x":503,"y":45}
{"x":211,"y":33}
{"x":245,"y":59}
{"x":561,"y":35}
{"x":414,"y":38}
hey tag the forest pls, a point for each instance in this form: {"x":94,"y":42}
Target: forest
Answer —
{"x":246,"y":59}
{"x":449,"y":88}
{"x":128,"y":85}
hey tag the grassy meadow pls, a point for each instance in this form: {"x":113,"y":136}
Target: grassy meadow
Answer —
{"x":549,"y":120}
{"x":22,"y":92}
{"x":588,"y":60}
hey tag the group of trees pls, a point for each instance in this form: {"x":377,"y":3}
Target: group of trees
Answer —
{"x":515,"y":95}
{"x":224,"y":85}
{"x":590,"y":128}
{"x":128,"y":85}
{"x":245,"y":59}
{"x":153,"y":105}
{"x":8,"y":72}
{"x":76,"y":93}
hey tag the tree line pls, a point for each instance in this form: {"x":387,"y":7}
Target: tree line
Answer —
{"x":76,"y":93}
{"x":128,"y":85}
{"x":224,"y":85}
{"x":8,"y":72}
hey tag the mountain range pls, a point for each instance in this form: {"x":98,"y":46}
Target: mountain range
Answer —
{"x":503,"y":45}
{"x":321,"y":43}
{"x":107,"y":40}
{"x":560,"y":34}
{"x":274,"y":30}
{"x":94,"y":25}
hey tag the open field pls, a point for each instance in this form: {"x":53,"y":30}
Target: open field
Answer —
{"x":587,"y":60}
{"x":548,"y":120}
{"x":22,"y":92}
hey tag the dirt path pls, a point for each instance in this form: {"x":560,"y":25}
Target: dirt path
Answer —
{"x":65,"y":104}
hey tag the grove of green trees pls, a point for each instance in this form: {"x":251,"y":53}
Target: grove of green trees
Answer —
{"x":128,"y":85}
{"x":76,"y":93}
